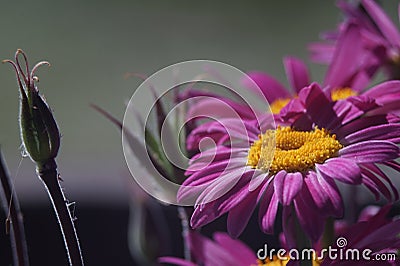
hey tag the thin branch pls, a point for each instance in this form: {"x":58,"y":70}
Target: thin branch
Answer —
{"x":15,"y":219}
{"x":185,"y":233}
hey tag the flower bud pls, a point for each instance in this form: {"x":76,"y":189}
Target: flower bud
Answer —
{"x":39,"y":131}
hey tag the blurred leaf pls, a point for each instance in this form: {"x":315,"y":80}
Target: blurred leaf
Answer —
{"x":156,"y":155}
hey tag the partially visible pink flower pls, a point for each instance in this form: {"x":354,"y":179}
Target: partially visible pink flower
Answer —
{"x":223,"y":251}
{"x":276,"y":93}
{"x":378,"y":232}
{"x":379,"y":37}
{"x":352,"y":66}
{"x":381,"y":100}
{"x":375,"y":230}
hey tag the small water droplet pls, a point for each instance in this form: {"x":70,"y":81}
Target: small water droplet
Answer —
{"x":24,"y":152}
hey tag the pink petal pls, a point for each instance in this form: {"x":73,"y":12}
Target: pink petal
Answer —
{"x":219,"y":108}
{"x":289,"y":227}
{"x":383,"y":22}
{"x":270,"y":87}
{"x":268,"y":210}
{"x":175,"y":261}
{"x":371,"y":186}
{"x":371,"y":180}
{"x":297,"y":73}
{"x":359,"y":124}
{"x":208,"y":252}
{"x":218,"y":153}
{"x":292,"y":110}
{"x":210,"y":211}
{"x":224,"y":164}
{"x":321,"y":52}
{"x":246,"y":256}
{"x":386,"y":88}
{"x":239,"y":193}
{"x":345,"y":63}
{"x":368,"y":212}
{"x":325,"y":194}
{"x":214,"y":167}
{"x":318,"y":106}
{"x":221,"y":186}
{"x":387,"y":95}
{"x":386,"y":232}
{"x":239,"y":216}
{"x":373,"y":168}
{"x":372,"y":151}
{"x":341,"y":169}
{"x":188,"y":194}
{"x":287,"y":185}
{"x":310,"y":220}
{"x":389,"y":132}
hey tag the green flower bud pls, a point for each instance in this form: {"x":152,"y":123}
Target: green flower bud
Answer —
{"x":39,"y":131}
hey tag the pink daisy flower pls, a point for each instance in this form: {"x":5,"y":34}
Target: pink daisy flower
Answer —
{"x":379,"y":37}
{"x":300,"y":176}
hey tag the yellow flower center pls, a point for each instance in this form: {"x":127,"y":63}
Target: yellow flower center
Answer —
{"x":395,"y":59}
{"x":295,"y":151}
{"x":274,"y":262}
{"x":278,"y":262}
{"x":336,"y":94}
{"x":278,"y":104}
{"x":342,"y":93}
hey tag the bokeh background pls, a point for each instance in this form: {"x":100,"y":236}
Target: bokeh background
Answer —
{"x":91,"y":46}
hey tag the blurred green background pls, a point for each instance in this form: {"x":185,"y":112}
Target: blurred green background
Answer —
{"x":91,"y":46}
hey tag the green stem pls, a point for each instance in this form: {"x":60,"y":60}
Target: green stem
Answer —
{"x":353,"y":204}
{"x":302,"y":242}
{"x":11,"y":208}
{"x":328,"y":237}
{"x":49,"y":176}
{"x":185,"y":233}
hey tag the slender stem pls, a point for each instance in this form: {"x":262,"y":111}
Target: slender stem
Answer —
{"x":11,"y":208}
{"x":185,"y":233}
{"x":353,"y":204}
{"x":329,"y":233}
{"x":49,"y":177}
{"x":302,"y":243}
